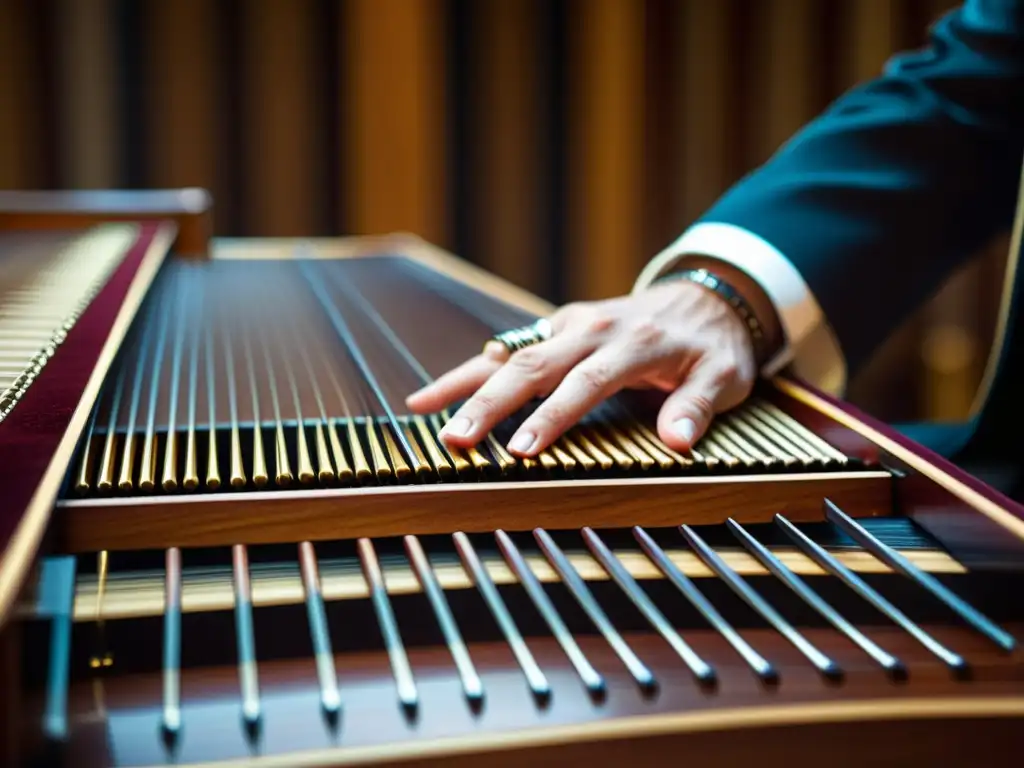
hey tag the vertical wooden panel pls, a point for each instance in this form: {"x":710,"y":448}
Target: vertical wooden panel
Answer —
{"x":185,"y":107}
{"x":13,"y":62}
{"x":282,"y":113}
{"x":871,"y":30}
{"x":505,"y":153}
{"x":20,"y":97}
{"x":785,"y":70}
{"x":606,"y":148}
{"x":88,"y":130}
{"x":706,"y":62}
{"x":661,"y":140}
{"x":394,"y":116}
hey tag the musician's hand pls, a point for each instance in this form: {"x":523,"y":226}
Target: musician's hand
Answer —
{"x":677,"y":337}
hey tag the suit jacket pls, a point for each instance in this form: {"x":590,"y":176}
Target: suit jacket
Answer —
{"x":878,"y":200}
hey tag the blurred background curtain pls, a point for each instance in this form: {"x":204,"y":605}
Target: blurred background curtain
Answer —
{"x":558,"y":143}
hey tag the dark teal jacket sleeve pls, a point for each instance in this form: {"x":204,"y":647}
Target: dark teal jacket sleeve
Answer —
{"x":879,"y":199}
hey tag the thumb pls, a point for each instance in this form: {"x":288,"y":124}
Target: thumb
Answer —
{"x":687,"y":412}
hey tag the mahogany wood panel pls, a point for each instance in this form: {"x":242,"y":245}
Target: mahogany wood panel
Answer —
{"x":896,"y":744}
{"x":507,"y":163}
{"x":393,"y":161}
{"x":706,"y":114}
{"x":22,"y":97}
{"x":786,"y":85}
{"x":662,"y":141}
{"x":373,"y":729}
{"x":875,"y":32}
{"x":184,"y":102}
{"x":284,"y":116}
{"x":88,"y":129}
{"x":287,"y":516}
{"x":606,"y":148}
{"x":190,"y":209}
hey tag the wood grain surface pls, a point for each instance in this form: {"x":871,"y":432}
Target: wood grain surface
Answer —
{"x":292,"y":516}
{"x":374,"y":730}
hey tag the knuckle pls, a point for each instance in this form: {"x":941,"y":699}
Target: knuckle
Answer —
{"x":549,"y":418}
{"x":482,"y":402}
{"x":494,"y":352}
{"x":600,"y":324}
{"x":530,"y":363}
{"x":647,"y":334}
{"x":530,"y":366}
{"x":592,"y":379}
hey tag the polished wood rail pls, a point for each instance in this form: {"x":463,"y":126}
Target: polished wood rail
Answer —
{"x":390,"y":510}
{"x":37,"y":212}
{"x":356,"y":652}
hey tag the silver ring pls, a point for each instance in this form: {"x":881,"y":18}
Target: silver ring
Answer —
{"x":525,"y":336}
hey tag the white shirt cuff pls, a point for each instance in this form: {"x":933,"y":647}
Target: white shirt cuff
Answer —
{"x":810,"y":347}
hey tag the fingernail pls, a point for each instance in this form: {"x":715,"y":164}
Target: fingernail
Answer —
{"x":460,"y":426}
{"x":522,"y":442}
{"x":686,"y":429}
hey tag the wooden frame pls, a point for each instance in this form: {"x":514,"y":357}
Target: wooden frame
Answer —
{"x":314,"y":515}
{"x":976,"y":524}
{"x":36,"y":449}
{"x":191,"y":210}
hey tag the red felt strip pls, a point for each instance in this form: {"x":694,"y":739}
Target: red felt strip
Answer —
{"x":30,"y":434}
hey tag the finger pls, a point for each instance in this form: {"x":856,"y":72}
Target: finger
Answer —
{"x":584,"y":387}
{"x":460,"y":382}
{"x":686,"y":414}
{"x":529,"y":373}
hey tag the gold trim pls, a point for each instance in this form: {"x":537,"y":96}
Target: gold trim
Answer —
{"x":963,"y":492}
{"x":643,"y":726}
{"x":25,"y":540}
{"x":1002,"y":320}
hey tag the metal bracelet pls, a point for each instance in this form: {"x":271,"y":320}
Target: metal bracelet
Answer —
{"x":719,"y":286}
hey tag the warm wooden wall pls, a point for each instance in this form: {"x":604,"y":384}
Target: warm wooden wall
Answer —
{"x":558,"y":142}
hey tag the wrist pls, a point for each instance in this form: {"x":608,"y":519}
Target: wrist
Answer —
{"x":765,"y":325}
